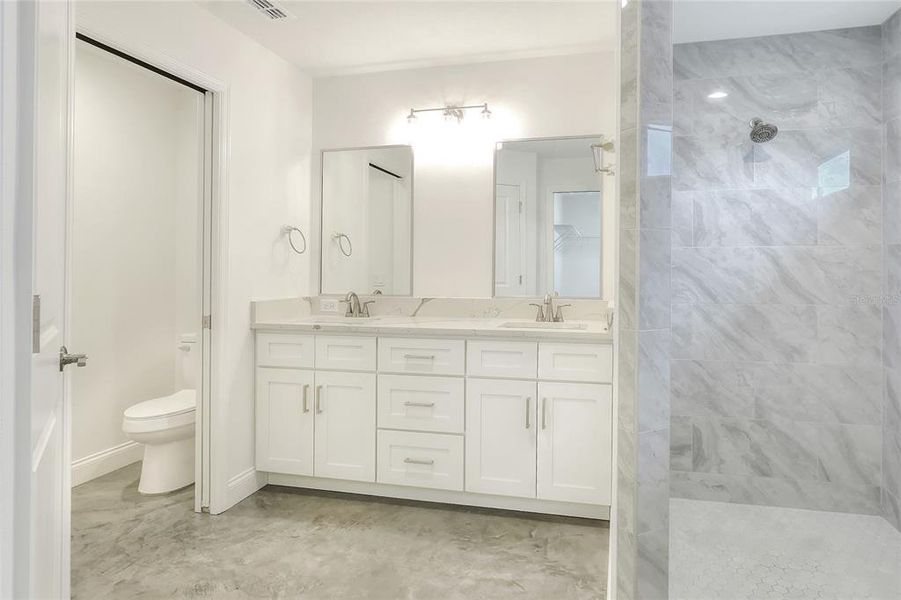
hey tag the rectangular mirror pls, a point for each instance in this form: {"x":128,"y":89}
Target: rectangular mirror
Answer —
{"x":548,"y":210}
{"x":367,"y":221}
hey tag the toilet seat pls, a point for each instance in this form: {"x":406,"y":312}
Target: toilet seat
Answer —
{"x":166,"y":412}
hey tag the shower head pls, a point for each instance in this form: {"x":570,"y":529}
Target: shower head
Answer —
{"x":762,"y":132}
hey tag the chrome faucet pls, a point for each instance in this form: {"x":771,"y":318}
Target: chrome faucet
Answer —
{"x":546,"y":312}
{"x":354,"y":307}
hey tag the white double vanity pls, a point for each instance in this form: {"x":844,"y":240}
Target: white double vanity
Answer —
{"x":484,"y":412}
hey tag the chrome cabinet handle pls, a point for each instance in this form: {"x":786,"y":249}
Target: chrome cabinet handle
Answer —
{"x":419,"y":356}
{"x":528,"y":412}
{"x":417,"y":461}
{"x":544,"y":413}
{"x":306,"y":398}
{"x":426,"y":404}
{"x":318,"y":398}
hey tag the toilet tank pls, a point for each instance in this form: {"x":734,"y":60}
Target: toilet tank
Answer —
{"x":188,"y":361}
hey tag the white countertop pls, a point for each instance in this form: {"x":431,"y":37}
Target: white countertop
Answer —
{"x":588,"y":331}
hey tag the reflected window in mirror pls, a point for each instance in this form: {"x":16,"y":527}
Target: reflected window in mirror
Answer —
{"x":548,"y":218}
{"x":367,"y":216}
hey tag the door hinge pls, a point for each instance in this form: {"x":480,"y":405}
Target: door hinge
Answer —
{"x":36,"y":324}
{"x":207,"y":321}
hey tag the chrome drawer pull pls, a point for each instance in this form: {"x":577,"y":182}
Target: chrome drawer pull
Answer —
{"x":528,"y":412}
{"x":306,"y":398}
{"x":416,"y":461}
{"x":544,"y":413}
{"x":318,"y":398}
{"x":425,"y":404}
{"x":419,"y":356}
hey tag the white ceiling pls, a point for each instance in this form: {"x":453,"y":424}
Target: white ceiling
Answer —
{"x":703,"y":20}
{"x":336,"y":38}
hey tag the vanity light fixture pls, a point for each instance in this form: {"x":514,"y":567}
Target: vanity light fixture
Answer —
{"x":717,"y":95}
{"x":451,"y":112}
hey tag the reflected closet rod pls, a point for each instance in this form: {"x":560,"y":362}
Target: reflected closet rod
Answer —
{"x":386,"y":171}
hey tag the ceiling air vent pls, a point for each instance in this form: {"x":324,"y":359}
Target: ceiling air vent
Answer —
{"x":269,"y":9}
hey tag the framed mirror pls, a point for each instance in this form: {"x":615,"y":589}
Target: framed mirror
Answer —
{"x":367,"y":221}
{"x":548,"y":217}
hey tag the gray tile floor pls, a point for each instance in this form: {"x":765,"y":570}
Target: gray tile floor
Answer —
{"x":285,"y":543}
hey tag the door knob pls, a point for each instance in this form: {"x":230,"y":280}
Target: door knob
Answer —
{"x":67,"y":359}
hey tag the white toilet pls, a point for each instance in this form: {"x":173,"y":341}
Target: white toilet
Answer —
{"x":165,"y":426}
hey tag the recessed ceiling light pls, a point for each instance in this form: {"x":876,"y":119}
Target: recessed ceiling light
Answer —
{"x":717,"y":95}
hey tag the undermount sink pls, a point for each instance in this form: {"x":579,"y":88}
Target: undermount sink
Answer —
{"x":542,"y":325}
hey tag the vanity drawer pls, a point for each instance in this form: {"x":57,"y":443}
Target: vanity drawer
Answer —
{"x":431,"y":460}
{"x":421,"y":403}
{"x":347,"y":353}
{"x":284,"y":350}
{"x":435,"y":357}
{"x":576,"y":362}
{"x":501,"y":359}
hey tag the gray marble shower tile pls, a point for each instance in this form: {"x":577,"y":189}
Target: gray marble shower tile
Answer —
{"x":654,"y":275}
{"x":681,"y":219}
{"x":836,"y":275}
{"x":859,"y":46}
{"x":655,"y":202}
{"x":891,"y":509}
{"x":628,"y":279}
{"x":789,"y":99}
{"x":712,"y":388}
{"x":891,"y":332}
{"x":710,"y":163}
{"x":893,"y":150}
{"x":628,"y":177}
{"x":891,"y":36}
{"x":683,"y":110}
{"x":653,"y":480}
{"x":815,"y":495}
{"x":849,"y":335}
{"x":720,"y":276}
{"x":818,"y":393}
{"x":653,"y":380}
{"x":850,"y":454}
{"x":826,"y":159}
{"x":850,"y":97}
{"x":656,"y":60}
{"x":754,"y":448}
{"x":653,"y":564}
{"x":744,"y":332}
{"x":850,"y":216}
{"x":892,"y":405}
{"x":891,"y":230}
{"x":891,"y":458}
{"x":891,"y":88}
{"x":628,"y":75}
{"x":680,"y":444}
{"x":892,"y":269}
{"x":776,"y":217}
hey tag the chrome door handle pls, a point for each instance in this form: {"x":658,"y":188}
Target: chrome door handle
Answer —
{"x":306,"y":398}
{"x":528,"y":412}
{"x":425,"y":404}
{"x":419,"y":356}
{"x":67,"y":359}
{"x":318,"y":398}
{"x":544,"y":413}
{"x":417,"y":461}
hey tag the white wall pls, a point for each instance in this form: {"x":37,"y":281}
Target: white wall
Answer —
{"x":269,"y":109}
{"x":453,"y":196}
{"x":134,"y":263}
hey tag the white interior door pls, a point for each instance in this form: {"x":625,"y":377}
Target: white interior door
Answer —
{"x":509,"y":277}
{"x":574,"y":442}
{"x":500,"y":437}
{"x":50,"y":496}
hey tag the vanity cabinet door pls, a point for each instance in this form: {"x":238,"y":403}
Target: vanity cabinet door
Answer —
{"x":344,"y":405}
{"x":284,"y":421}
{"x":575,"y":442}
{"x":501,"y":437}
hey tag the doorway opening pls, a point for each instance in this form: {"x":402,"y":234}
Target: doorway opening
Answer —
{"x":139,"y":284}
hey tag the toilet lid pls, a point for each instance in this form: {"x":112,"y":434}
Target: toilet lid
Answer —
{"x":168,"y":406}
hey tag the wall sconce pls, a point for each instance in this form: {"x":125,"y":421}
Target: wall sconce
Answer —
{"x":451,"y":112}
{"x":598,"y":151}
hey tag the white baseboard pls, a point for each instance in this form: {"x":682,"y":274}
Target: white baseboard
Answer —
{"x":105,"y":461}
